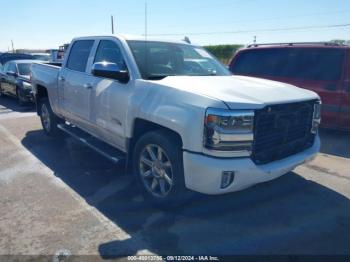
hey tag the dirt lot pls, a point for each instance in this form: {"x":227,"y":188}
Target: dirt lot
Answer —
{"x":58,"y":195}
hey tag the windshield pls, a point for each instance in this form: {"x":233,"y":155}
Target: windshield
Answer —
{"x":42,"y":57}
{"x":24,"y":69}
{"x":157,"y":60}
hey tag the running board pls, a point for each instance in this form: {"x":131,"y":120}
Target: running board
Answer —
{"x":109,"y":152}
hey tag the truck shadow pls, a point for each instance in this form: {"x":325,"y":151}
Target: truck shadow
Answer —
{"x":335,"y":143}
{"x":289,"y":215}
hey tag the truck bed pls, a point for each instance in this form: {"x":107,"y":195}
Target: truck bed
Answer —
{"x":45,"y":74}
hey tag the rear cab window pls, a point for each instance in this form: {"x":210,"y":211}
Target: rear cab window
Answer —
{"x":315,"y":64}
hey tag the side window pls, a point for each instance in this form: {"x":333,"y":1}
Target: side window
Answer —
{"x":6,"y":68}
{"x":12,"y":67}
{"x":79,"y":55}
{"x":266,"y":62}
{"x":109,"y":51}
{"x":321,"y":64}
{"x":318,"y":64}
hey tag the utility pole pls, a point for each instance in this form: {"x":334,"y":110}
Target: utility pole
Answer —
{"x":146,"y":32}
{"x":112,"y":21}
{"x":146,"y":20}
{"x":13,"y":49}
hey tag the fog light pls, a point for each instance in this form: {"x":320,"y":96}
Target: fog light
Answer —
{"x":227,"y":178}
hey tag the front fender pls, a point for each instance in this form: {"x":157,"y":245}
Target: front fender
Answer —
{"x":188,"y":123}
{"x":178,"y":110}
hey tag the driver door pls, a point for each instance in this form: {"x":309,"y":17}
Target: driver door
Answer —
{"x":4,"y":78}
{"x":110,"y":97}
{"x":11,"y":79}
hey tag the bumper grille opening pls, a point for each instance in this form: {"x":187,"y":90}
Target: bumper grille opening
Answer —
{"x":282,"y":130}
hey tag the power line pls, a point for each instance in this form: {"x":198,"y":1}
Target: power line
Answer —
{"x":274,"y":18}
{"x":254,"y":31}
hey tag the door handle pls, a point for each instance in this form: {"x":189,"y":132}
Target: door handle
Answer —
{"x":88,"y":86}
{"x":61,"y":78}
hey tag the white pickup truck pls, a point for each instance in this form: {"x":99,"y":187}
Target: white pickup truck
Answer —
{"x":177,"y":116}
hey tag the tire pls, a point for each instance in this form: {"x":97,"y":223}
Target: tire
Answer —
{"x":20,"y":100}
{"x":48,"y":119}
{"x":162,"y":182}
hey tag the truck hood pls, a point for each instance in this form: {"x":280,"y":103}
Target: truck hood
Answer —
{"x":240,"y":92}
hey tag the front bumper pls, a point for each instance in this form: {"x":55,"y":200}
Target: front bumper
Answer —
{"x":27,"y":94}
{"x":203,"y":173}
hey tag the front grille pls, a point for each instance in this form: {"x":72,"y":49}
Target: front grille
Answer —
{"x":282,"y":130}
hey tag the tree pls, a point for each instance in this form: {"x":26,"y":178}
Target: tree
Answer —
{"x":223,"y":52}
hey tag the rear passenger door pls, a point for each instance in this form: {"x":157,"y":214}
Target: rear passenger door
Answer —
{"x":345,"y":101}
{"x":321,"y":71}
{"x":75,"y":84}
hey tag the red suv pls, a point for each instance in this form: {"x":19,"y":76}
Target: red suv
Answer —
{"x":320,"y":67}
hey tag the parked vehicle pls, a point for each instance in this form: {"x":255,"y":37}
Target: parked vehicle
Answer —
{"x":180,"y":127}
{"x":320,"y":67}
{"x":15,"y":81}
{"x":42,"y":56}
{"x":56,"y":56}
{"x":5,"y":57}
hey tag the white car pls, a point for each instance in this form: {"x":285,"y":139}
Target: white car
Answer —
{"x":179,"y":125}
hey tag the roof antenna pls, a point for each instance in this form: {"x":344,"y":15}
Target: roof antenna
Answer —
{"x":112,"y":23}
{"x":187,"y":40}
{"x":146,"y":32}
{"x":146,"y":20}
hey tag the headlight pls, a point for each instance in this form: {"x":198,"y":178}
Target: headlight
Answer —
{"x":228,"y":130}
{"x":27,"y":85}
{"x":316,"y":120}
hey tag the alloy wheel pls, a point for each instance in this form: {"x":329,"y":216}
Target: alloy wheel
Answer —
{"x":45,"y":118}
{"x":156,"y":171}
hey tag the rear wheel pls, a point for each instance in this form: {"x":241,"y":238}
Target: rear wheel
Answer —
{"x":20,"y":98}
{"x":49,"y":120}
{"x":158,"y":166}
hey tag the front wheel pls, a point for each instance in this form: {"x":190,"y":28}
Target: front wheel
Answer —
{"x":158,"y":166}
{"x":48,"y":119}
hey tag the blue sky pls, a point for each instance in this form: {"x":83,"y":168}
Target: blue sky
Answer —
{"x":48,"y":24}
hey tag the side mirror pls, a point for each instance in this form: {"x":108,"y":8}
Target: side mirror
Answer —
{"x":11,"y":73}
{"x":110,"y":70}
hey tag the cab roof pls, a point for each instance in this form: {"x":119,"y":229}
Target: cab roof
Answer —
{"x":127,"y":37}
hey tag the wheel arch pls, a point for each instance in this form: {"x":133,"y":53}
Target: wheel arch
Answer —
{"x":41,"y":92}
{"x":142,"y":127}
